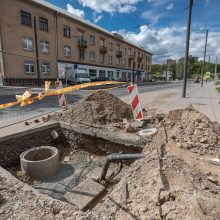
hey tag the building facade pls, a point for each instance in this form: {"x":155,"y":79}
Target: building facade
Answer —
{"x":39,"y":41}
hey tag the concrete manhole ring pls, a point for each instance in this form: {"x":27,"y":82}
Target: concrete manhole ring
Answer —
{"x":40,"y":161}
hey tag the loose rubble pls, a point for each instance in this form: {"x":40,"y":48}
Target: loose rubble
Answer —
{"x":171,"y":182}
{"x":192,"y":131}
{"x":99,"y":108}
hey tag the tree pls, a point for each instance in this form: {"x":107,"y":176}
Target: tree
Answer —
{"x":157,"y":69}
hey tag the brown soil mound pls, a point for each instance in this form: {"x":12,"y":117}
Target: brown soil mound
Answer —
{"x":192,"y":130}
{"x":99,"y":108}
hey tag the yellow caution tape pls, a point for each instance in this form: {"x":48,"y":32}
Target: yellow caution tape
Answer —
{"x":26,"y":98}
{"x":81,"y":86}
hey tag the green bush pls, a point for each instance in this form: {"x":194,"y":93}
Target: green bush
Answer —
{"x":217,"y":82}
{"x":218,"y":89}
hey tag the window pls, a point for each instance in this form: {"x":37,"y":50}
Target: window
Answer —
{"x":129,"y":76}
{"x":123,"y":75}
{"x":125,"y":51}
{"x":110,"y":75}
{"x":29,"y":67}
{"x":124,"y":62}
{"x":92,"y":73}
{"x":67,"y":51}
{"x":117,"y":74}
{"x":119,"y":47}
{"x":44,"y":46}
{"x":102,"y":58}
{"x":102,"y":42}
{"x":81,"y":53}
{"x":26,"y":18}
{"x":117,"y":61}
{"x":101,"y":73}
{"x":45,"y":68}
{"x":27,"y":43}
{"x":43,"y":24}
{"x":110,"y":46}
{"x":92,"y":55}
{"x":92,"y":40}
{"x":129,"y":51}
{"x":66,"y":31}
{"x":110,"y":59}
{"x":81,"y":37}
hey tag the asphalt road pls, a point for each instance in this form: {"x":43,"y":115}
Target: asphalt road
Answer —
{"x":49,"y":104}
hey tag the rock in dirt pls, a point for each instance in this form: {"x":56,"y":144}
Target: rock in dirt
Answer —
{"x":192,"y":130}
{"x":100,"y":108}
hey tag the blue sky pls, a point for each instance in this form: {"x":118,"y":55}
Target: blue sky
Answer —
{"x":157,"y":25}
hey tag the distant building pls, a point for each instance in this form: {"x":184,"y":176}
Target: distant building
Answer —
{"x":40,"y":40}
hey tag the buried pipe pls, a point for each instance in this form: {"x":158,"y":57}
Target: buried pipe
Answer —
{"x":117,"y":157}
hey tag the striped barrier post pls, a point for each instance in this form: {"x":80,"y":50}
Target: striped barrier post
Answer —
{"x":135,"y":102}
{"x":61,"y":97}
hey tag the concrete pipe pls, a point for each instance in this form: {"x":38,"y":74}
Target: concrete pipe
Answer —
{"x":40,"y":162}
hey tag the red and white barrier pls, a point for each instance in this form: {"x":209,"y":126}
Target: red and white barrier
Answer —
{"x":135,"y":102}
{"x":61,"y":97}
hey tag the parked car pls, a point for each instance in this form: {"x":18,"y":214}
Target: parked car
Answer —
{"x":101,"y":78}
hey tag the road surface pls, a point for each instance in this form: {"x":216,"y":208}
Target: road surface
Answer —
{"x":152,"y":97}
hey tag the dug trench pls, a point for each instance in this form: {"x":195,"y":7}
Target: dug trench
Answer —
{"x":179,"y":178}
{"x":82,"y":156}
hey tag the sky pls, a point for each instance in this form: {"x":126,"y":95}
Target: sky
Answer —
{"x":157,"y":25}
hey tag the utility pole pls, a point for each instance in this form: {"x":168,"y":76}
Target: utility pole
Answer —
{"x":133,"y":77}
{"x":203,"y":66}
{"x":37,"y":53}
{"x":209,"y":65}
{"x":216,"y":59}
{"x":166,"y":69}
{"x":190,"y":3}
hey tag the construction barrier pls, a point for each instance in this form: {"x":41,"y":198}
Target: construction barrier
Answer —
{"x":135,"y":102}
{"x":61,"y":97}
{"x":26,"y":98}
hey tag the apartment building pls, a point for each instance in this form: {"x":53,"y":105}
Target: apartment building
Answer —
{"x":39,"y":41}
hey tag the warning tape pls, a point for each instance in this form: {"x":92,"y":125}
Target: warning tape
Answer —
{"x":26,"y":98}
{"x":81,"y":86}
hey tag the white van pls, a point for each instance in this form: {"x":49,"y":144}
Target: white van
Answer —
{"x":77,"y":76}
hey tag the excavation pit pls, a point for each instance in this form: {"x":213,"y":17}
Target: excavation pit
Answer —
{"x":81,"y":153}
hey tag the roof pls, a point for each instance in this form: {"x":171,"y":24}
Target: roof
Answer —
{"x":87,"y":22}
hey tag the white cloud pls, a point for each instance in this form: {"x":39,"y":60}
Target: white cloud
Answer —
{"x":96,"y":17}
{"x":111,"y":6}
{"x":74,"y":11}
{"x":158,"y":2}
{"x":170,"y":6}
{"x":152,"y":16}
{"x":169,"y":42}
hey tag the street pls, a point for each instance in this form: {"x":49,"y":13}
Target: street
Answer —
{"x":161,"y":97}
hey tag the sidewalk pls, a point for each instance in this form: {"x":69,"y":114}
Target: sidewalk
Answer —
{"x":205,"y":99}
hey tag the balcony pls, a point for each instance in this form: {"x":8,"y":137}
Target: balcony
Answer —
{"x":130,"y":56}
{"x":139,"y":59}
{"x":118,"y":53}
{"x":82,"y":43}
{"x":102,"y":49}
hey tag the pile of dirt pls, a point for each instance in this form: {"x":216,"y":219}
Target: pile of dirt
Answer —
{"x":162,"y":185}
{"x":192,"y":130}
{"x":100,"y":108}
